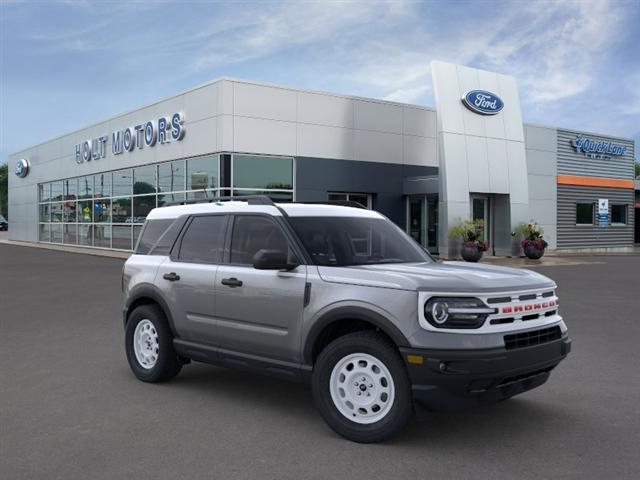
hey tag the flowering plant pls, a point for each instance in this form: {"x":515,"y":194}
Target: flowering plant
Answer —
{"x":532,"y":235}
{"x":470,"y":233}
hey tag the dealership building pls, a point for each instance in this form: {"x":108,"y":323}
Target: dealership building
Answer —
{"x":425,"y":168}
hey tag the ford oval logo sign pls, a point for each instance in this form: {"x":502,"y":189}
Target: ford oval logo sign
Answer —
{"x":483,"y":102}
{"x":22,"y":168}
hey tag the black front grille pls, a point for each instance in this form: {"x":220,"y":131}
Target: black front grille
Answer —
{"x":534,"y":337}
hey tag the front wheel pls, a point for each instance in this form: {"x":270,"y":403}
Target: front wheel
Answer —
{"x":149,"y":345}
{"x":361,"y":387}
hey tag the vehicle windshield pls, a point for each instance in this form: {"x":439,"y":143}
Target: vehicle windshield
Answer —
{"x":350,"y":241}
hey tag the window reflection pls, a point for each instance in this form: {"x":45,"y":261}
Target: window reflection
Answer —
{"x":107,"y":210}
{"x":122,"y":183}
{"x":102,"y":184}
{"x":144,"y":180}
{"x":261,"y":172}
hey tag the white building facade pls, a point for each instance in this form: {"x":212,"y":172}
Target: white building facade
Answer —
{"x":425,"y":168}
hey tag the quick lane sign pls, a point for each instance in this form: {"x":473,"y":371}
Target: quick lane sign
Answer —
{"x":598,"y":149}
{"x":148,"y":134}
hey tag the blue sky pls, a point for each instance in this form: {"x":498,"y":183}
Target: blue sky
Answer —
{"x":67,"y":64}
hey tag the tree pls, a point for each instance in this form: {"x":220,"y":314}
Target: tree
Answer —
{"x":638,"y":170}
{"x":4,"y":190}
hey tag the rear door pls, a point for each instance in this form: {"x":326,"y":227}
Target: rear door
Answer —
{"x":259,"y":312}
{"x":187,"y":277}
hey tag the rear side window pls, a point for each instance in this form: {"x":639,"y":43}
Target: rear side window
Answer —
{"x":152,"y":232}
{"x":203,"y":241}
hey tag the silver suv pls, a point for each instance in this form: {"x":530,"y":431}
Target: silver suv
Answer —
{"x":338,"y":297}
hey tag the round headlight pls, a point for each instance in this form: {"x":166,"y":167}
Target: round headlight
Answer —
{"x":440,"y":312}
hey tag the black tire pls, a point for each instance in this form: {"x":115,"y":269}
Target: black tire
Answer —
{"x":379,"y":346}
{"x":168,"y":364}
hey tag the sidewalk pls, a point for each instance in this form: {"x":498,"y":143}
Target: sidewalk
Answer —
{"x":98,"y":252}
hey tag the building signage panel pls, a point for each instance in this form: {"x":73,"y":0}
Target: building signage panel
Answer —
{"x":483,"y":102}
{"x":148,"y":134}
{"x":598,"y":149}
{"x":603,"y":212}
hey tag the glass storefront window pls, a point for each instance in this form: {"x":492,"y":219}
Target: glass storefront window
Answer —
{"x":202,"y":173}
{"x":171,"y":176}
{"x":85,"y":187}
{"x":85,"y":235}
{"x":56,"y":212}
{"x":136,"y":233}
{"x":69,"y":210}
{"x":45,"y":212}
{"x":70,"y":189}
{"x":44,"y":192}
{"x":56,"y":191}
{"x":102,"y":183}
{"x":165,"y":199}
{"x":121,"y":210}
{"x":261,"y":172}
{"x":45,"y":231}
{"x":102,"y":210}
{"x":84,"y":210}
{"x":56,"y":233}
{"x":102,"y":236}
{"x":70,"y":233}
{"x":202,"y":195}
{"x":122,"y":183}
{"x":142,"y":205}
{"x":283,"y":197}
{"x":144,"y":180}
{"x":121,"y":238}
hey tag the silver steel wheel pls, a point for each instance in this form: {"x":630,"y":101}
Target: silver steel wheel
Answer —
{"x":145,"y":344}
{"x":362,"y":388}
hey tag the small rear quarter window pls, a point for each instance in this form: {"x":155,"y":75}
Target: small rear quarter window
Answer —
{"x":152,"y":232}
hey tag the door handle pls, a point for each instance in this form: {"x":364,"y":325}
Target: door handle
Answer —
{"x":172,"y":277}
{"x":231,"y":282}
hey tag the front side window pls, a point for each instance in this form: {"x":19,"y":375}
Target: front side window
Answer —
{"x":203,"y":241}
{"x":350,"y":241}
{"x":619,"y":214}
{"x":253,"y":233}
{"x":584,"y":213}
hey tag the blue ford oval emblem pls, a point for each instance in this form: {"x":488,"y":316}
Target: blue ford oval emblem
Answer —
{"x":22,"y":168}
{"x":483,"y":102}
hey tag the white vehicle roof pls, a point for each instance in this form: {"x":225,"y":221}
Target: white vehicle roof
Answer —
{"x":292,"y":209}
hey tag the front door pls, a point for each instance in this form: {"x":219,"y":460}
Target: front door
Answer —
{"x":480,"y":211}
{"x":259,"y":312}
{"x":422,"y":221}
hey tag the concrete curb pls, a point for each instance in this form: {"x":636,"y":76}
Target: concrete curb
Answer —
{"x":67,"y":249}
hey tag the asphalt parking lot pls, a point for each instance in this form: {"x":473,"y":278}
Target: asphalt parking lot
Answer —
{"x":71,"y":409}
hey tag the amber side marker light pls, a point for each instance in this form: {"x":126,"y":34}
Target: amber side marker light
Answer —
{"x":415,"y":359}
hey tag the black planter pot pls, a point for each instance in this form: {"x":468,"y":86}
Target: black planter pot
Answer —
{"x":533,"y":253}
{"x":470,"y":253}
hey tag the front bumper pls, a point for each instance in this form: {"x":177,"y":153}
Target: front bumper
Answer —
{"x":452,"y":379}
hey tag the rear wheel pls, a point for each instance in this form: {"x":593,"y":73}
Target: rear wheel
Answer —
{"x":149,"y":345}
{"x":361,"y":387}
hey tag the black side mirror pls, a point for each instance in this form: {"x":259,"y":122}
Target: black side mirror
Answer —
{"x":272,"y":260}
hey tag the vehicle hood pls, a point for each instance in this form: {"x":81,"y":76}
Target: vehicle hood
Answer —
{"x":438,"y":277}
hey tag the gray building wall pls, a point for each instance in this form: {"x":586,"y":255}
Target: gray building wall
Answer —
{"x":570,"y":162}
{"x":541,"y":146}
{"x":572,"y":236}
{"x":317,"y":176}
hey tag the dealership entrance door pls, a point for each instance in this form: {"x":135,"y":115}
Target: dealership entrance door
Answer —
{"x":422,"y":220}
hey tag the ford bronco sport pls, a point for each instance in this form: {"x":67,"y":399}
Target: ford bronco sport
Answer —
{"x":339,"y":297}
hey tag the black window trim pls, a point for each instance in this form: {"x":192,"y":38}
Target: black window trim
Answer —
{"x":626,"y":215}
{"x":177,"y":246}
